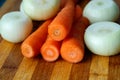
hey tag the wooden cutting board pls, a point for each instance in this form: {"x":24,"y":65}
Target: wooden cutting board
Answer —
{"x":13,"y":66}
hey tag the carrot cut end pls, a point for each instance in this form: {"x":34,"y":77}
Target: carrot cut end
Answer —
{"x":27,"y":51}
{"x":50,"y":54}
{"x":72,"y":51}
{"x":57,"y":33}
{"x":73,"y":56}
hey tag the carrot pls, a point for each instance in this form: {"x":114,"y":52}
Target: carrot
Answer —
{"x":72,"y":48}
{"x":63,"y":2}
{"x":31,"y":46}
{"x":50,"y":50}
{"x":78,"y":11}
{"x":62,"y":23}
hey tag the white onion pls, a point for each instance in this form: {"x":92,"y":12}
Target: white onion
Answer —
{"x":103,"y":38}
{"x":101,"y":10}
{"x":0,"y":28}
{"x":15,"y":26}
{"x":21,"y":7}
{"x":40,"y":9}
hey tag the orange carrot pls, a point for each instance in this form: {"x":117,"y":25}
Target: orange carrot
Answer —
{"x":62,"y":23}
{"x":31,"y":46}
{"x":78,"y":13}
{"x":50,"y":50}
{"x":63,"y":2}
{"x":72,"y":49}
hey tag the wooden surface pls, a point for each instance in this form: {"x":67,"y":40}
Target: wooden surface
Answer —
{"x":13,"y":66}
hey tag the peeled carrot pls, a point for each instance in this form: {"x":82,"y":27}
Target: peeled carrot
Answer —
{"x":72,"y":49}
{"x":62,"y":23}
{"x":63,"y":2}
{"x":31,"y":46}
{"x":78,"y":11}
{"x":50,"y":50}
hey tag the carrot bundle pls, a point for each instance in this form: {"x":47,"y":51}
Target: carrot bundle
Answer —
{"x":50,"y":50}
{"x":31,"y":46}
{"x":72,"y":49}
{"x":64,"y":35}
{"x":62,"y":23}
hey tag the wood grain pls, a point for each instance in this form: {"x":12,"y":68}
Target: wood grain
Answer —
{"x":114,"y":68}
{"x":5,"y":49}
{"x":13,"y":66}
{"x":61,"y":71}
{"x":43,"y":70}
{"x":26,"y":69}
{"x":99,"y":68}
